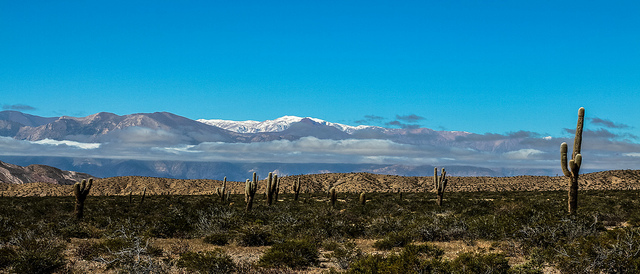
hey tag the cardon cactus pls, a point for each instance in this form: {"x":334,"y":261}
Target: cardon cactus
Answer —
{"x":573,"y":168}
{"x":333,"y":196}
{"x":363,"y":198}
{"x":268,"y":190}
{"x":440,"y":184}
{"x":144,"y":193}
{"x":272,"y":188}
{"x":296,"y":189}
{"x":250,"y":191}
{"x":81,"y":191}
{"x":221,"y":191}
{"x":276,"y":190}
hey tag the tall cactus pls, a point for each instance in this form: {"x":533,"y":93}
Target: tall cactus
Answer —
{"x":221,"y":190}
{"x":440,"y":184}
{"x":250,"y":191}
{"x":363,"y":198}
{"x":271,"y":185}
{"x":296,"y":189}
{"x":144,"y":193}
{"x":573,"y":168}
{"x":333,"y":196}
{"x":276,"y":190}
{"x":81,"y":191}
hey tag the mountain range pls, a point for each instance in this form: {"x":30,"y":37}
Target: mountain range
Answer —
{"x":163,"y":144}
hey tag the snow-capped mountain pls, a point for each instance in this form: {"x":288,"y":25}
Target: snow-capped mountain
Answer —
{"x":276,"y":125}
{"x":165,"y":144}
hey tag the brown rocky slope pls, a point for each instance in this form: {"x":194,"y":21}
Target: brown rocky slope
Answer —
{"x":343,"y":182}
{"x":14,"y":174}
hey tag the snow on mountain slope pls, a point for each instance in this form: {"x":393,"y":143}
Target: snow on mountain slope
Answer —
{"x":276,"y":125}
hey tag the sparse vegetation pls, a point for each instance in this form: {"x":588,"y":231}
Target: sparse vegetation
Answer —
{"x":294,"y":254}
{"x":515,"y":232}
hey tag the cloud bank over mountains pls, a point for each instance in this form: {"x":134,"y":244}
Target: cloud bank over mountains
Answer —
{"x":295,"y":140}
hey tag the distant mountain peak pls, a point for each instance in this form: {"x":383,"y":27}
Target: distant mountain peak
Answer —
{"x":276,"y":125}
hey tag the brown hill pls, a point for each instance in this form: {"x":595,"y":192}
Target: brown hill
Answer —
{"x":14,"y":174}
{"x":343,"y":182}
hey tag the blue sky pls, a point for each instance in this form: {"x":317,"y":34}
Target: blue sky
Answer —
{"x":477,"y":66}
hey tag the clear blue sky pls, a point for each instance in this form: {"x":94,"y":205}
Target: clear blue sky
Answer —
{"x":477,"y":66}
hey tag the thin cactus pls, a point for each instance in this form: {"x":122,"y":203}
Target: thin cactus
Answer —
{"x":221,"y":191}
{"x":334,"y":196}
{"x":144,"y":193}
{"x":250,"y":191}
{"x":296,"y":189}
{"x":276,"y":190}
{"x":130,"y":196}
{"x":440,"y":184}
{"x":363,"y":198}
{"x":269,"y":190}
{"x":81,"y":190}
{"x":573,"y":169}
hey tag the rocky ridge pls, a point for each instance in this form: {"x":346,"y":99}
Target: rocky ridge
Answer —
{"x":14,"y":174}
{"x":343,"y":182}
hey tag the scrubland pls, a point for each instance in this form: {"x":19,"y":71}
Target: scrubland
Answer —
{"x":393,"y":232}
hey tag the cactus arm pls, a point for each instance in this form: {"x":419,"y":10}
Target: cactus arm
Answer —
{"x":563,"y":160}
{"x":76,"y":189}
{"x":89,"y":184}
{"x":444,"y":184}
{"x":442,"y":180}
{"x":575,"y":169}
{"x":435,"y":178}
{"x":577,"y":142}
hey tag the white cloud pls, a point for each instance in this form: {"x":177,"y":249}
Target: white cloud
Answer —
{"x":68,"y":143}
{"x":524,"y":154}
{"x":634,"y":154}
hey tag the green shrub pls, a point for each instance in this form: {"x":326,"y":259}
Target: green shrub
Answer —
{"x":527,"y":268}
{"x":480,"y":263}
{"x":38,"y":255}
{"x":295,"y":254}
{"x":393,"y":239}
{"x":255,"y":236}
{"x":6,"y":256}
{"x":344,"y":255}
{"x":413,"y":259}
{"x":217,"y":239}
{"x":216,"y":261}
{"x":615,"y":251}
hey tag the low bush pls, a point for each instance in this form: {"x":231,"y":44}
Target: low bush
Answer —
{"x":295,"y":254}
{"x":37,"y":255}
{"x":480,"y":263}
{"x":216,"y":261}
{"x":217,"y":238}
{"x":413,"y":259}
{"x":6,"y":256}
{"x":344,"y":255}
{"x":393,"y":239}
{"x":255,"y":235}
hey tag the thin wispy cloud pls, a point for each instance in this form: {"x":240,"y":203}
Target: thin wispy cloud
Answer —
{"x":410,"y":118}
{"x":602,"y":134}
{"x":18,"y":107}
{"x":402,"y":125}
{"x":607,"y":123}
